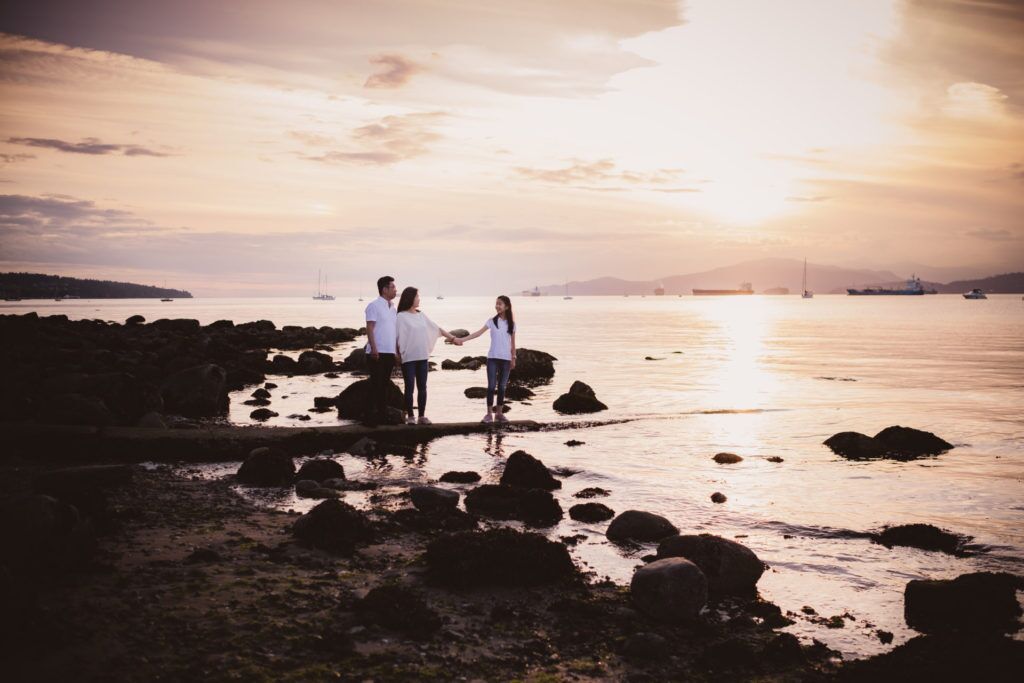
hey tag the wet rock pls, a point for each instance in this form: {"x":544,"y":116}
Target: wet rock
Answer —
{"x":727,"y":458}
{"x":591,"y":512}
{"x":364,"y":447}
{"x":262,"y":414}
{"x":855,"y":446}
{"x":978,"y":602}
{"x":646,"y":647}
{"x":314,"y":362}
{"x":718,"y":497}
{"x":152,"y":420}
{"x":267,"y":466}
{"x":459,"y":332}
{"x":579,"y":399}
{"x":300,"y":417}
{"x":320,"y":470}
{"x":784,"y":649}
{"x":672,"y":590}
{"x":260,"y":393}
{"x":538,"y":507}
{"x":355,"y":361}
{"x":269,"y":385}
{"x":308,"y":488}
{"x":502,"y":557}
{"x":730,"y":567}
{"x":135,"y":320}
{"x":283,"y":365}
{"x":40,"y":535}
{"x":177,"y":325}
{"x":591,"y":492}
{"x":460,"y":477}
{"x":433,"y":499}
{"x":352,"y":401}
{"x":572,"y":443}
{"x":200,"y":391}
{"x":497,"y":502}
{"x":256,"y":402}
{"x":517,"y":392}
{"x":923,"y":536}
{"x":774,"y":458}
{"x":333,"y":526}
{"x":476,"y":392}
{"x":947,"y":657}
{"x":639,"y":526}
{"x":909,"y":442}
{"x":532,"y":366}
{"x":525,"y":471}
{"x":400,"y":609}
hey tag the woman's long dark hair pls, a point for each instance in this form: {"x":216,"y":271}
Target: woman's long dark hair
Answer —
{"x":408,"y":297}
{"x":508,"y":313}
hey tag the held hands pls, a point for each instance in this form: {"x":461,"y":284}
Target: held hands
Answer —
{"x":457,"y":341}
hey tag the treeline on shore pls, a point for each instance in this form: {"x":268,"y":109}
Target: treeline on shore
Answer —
{"x":40,"y":286}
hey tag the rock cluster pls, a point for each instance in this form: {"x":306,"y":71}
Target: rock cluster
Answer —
{"x":897,"y":443}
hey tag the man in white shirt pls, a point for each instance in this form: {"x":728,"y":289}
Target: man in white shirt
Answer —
{"x":381,"y":348}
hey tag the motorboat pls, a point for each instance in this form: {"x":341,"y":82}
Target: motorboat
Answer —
{"x":975,"y":294}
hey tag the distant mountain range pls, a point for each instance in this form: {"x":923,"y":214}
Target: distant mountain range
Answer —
{"x":771,"y":273}
{"x":39,"y":286}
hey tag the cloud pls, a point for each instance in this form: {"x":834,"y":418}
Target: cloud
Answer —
{"x":812,"y":198}
{"x":388,"y":140}
{"x":86,"y":146}
{"x":592,"y":173}
{"x":57,"y":213}
{"x":395,"y":72}
{"x":992,"y":234}
{"x":1017,"y":171}
{"x":974,"y":101}
{"x":14,"y":158}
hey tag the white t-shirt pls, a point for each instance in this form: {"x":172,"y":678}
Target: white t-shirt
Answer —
{"x":381,"y":312}
{"x":501,"y":340}
{"x":417,"y":335}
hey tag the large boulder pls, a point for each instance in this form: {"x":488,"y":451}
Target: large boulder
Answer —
{"x":730,"y":567}
{"x":314,"y":362}
{"x":42,"y":535}
{"x":433,"y":499}
{"x":456,"y":477}
{"x":579,"y":399}
{"x":639,"y":526}
{"x":970,"y":603}
{"x":355,"y":361}
{"x":536,"y":507}
{"x":400,"y":609}
{"x":267,"y":466}
{"x":333,"y":526}
{"x":320,"y":470}
{"x":923,"y":536}
{"x":908,"y":442}
{"x":532,"y":366}
{"x":503,"y":557}
{"x":199,"y":391}
{"x":672,"y":590}
{"x":855,"y":446}
{"x":525,"y":471}
{"x":591,"y":512}
{"x":353,"y":399}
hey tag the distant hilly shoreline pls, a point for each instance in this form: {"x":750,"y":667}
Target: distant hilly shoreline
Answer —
{"x":775,"y":273}
{"x":40,"y":286}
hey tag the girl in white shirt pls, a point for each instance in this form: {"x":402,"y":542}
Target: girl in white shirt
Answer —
{"x":417,"y":335}
{"x":501,"y":358}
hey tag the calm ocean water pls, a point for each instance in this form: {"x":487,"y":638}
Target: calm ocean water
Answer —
{"x":759,"y":376}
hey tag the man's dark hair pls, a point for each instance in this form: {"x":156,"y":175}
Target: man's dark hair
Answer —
{"x":383,"y":282}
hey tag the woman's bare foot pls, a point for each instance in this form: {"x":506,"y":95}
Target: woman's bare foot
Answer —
{"x":424,"y":420}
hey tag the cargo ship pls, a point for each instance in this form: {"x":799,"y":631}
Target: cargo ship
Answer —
{"x":913,"y":287}
{"x":745,"y":288}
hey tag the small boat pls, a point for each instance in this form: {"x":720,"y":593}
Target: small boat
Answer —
{"x":745,"y":288}
{"x":166,"y":299}
{"x":808,"y":294}
{"x":567,"y":297}
{"x":535,"y":292}
{"x":321,"y":295}
{"x":913,"y":287}
{"x":440,"y":297}
{"x":975,"y":294}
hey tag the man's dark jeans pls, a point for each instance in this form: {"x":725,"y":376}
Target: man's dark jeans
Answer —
{"x":380,"y":375}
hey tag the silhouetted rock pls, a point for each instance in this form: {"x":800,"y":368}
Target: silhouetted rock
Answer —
{"x":85,"y":486}
{"x":730,"y":567}
{"x":353,"y":399}
{"x":502,"y":557}
{"x":672,"y":590}
{"x":135,"y":320}
{"x":525,"y":471}
{"x":532,"y":366}
{"x":262,"y":414}
{"x":923,"y":536}
{"x":400,"y":609}
{"x":718,"y":497}
{"x":534,"y":506}
{"x":639,"y":526}
{"x":855,"y":446}
{"x":476,"y":392}
{"x":727,"y":458}
{"x":978,"y":602}
{"x":314,"y":362}
{"x":308,"y":488}
{"x":460,"y":477}
{"x":320,"y":470}
{"x":579,"y":399}
{"x":591,"y":492}
{"x":433,"y":499}
{"x":591,"y":512}
{"x":909,"y":442}
{"x":945,"y":657}
{"x":538,"y":507}
{"x":200,"y":391}
{"x":267,"y":466}
{"x":41,"y":535}
{"x":333,"y":526}
{"x":260,"y":393}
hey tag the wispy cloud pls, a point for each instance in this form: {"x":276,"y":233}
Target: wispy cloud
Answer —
{"x":812,"y":198}
{"x":87,"y":146}
{"x":992,"y":234}
{"x":388,"y":140}
{"x":603,"y":176}
{"x":394,"y":71}
{"x":13,"y":158}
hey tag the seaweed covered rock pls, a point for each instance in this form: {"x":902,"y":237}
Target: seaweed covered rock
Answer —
{"x":353,"y":399}
{"x":923,"y":536}
{"x":534,"y":506}
{"x":497,"y":557}
{"x":333,"y":526}
{"x":672,"y":589}
{"x":591,"y":512}
{"x":400,"y":609}
{"x":731,"y":568}
{"x":532,"y":366}
{"x":640,"y":526}
{"x":433,"y":499}
{"x":267,"y":466}
{"x":909,"y":442}
{"x":970,"y":603}
{"x":320,"y":470}
{"x":455,"y":477}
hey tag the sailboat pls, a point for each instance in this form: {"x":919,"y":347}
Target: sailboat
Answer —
{"x":439,"y":295}
{"x":321,"y":295}
{"x":808,"y":294}
{"x":567,"y":297}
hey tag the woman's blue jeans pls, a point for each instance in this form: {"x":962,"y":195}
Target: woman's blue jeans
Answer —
{"x":415,"y":371}
{"x":497,"y":378}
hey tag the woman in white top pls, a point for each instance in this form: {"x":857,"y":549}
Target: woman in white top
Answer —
{"x":417,"y":335}
{"x":501,"y":358}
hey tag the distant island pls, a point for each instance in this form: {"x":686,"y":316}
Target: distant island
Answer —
{"x":39,"y":286}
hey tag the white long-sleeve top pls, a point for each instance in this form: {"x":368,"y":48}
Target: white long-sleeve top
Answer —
{"x":417,"y":335}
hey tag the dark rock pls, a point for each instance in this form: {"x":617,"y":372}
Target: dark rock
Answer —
{"x":177,"y":325}
{"x":730,"y":567}
{"x":908,"y":442}
{"x":260,"y":393}
{"x":572,"y":443}
{"x":525,"y":471}
{"x":356,"y":361}
{"x":283,"y":365}
{"x":591,"y":512}
{"x":40,"y":535}
{"x":325,"y":401}
{"x":297,"y":416}
{"x":267,"y":466}
{"x":718,"y":497}
{"x":579,"y":399}
{"x":855,"y":446}
{"x":497,"y":557}
{"x":591,"y":492}
{"x":646,"y":647}
{"x":256,"y":402}
{"x":459,"y":332}
{"x":532,"y":366}
{"x":884,"y":637}
{"x":270,"y":385}
{"x":152,"y":420}
{"x":769,"y":613}
{"x":321,"y":469}
{"x":353,"y":399}
{"x":635,"y":525}
{"x":923,"y":536}
{"x":538,"y":507}
{"x":476,"y":392}
{"x":78,"y":409}
{"x":784,"y":649}
{"x":314,"y":362}
{"x":262,"y":414}
{"x":978,"y":602}
{"x":947,"y":657}
{"x":516,"y":392}
{"x":333,"y":526}
{"x":308,"y":488}
{"x":426,"y":522}
{"x":400,"y":609}
{"x":200,"y":391}
{"x":497,"y":502}
{"x":727,"y":458}
{"x":775,"y":458}
{"x":203,"y":556}
{"x":672,"y":590}
{"x":460,"y":477}
{"x":135,"y":320}
{"x":433,"y":498}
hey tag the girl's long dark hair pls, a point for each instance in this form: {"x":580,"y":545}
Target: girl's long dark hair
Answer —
{"x":408,"y":297}
{"x":508,"y":313}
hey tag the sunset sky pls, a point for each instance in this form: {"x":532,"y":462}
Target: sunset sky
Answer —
{"x":234,"y":147}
